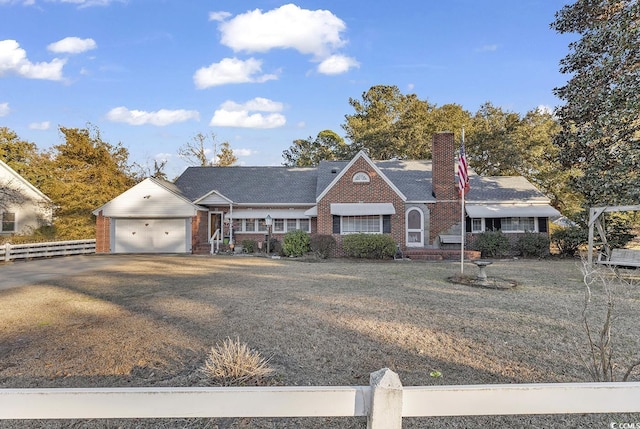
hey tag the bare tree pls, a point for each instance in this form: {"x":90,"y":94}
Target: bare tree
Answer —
{"x":197,"y":153}
{"x":597,"y":318}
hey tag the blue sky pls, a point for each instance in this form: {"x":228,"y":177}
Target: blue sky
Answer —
{"x":260,"y":74}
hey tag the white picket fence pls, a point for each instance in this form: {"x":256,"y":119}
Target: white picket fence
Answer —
{"x":10,"y":251}
{"x":384,"y":402}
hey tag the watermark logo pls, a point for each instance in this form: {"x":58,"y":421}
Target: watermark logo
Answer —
{"x":624,"y":425}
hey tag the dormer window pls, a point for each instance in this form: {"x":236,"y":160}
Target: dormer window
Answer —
{"x":361,"y":177}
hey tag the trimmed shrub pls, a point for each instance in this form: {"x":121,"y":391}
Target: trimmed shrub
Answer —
{"x":296,"y":243}
{"x":249,"y":246}
{"x":369,"y":246}
{"x":569,"y":240}
{"x":492,"y":244}
{"x":532,"y":245}
{"x":323,"y":245}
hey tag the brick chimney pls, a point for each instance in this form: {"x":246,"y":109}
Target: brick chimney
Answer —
{"x":443,"y":166}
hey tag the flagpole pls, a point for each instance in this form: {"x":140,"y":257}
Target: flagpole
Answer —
{"x":463,"y":234}
{"x":462,"y":222}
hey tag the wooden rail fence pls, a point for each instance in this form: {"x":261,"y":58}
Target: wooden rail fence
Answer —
{"x":384,"y":402}
{"x":10,"y":251}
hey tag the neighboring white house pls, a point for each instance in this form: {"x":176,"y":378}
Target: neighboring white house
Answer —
{"x":23,"y":208}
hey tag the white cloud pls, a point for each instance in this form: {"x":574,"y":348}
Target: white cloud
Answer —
{"x":232,"y":114}
{"x":544,"y":109}
{"x":243,"y":152}
{"x":72,"y":45}
{"x":231,"y":70}
{"x":89,"y":3}
{"x":13,"y":59}
{"x":160,"y":118}
{"x":315,"y":32}
{"x":218,"y":16}
{"x":4,"y":109}
{"x":45,"y":125}
{"x":337,"y":64}
{"x":487,"y":48}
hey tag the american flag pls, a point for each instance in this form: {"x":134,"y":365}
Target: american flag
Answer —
{"x":463,"y":172}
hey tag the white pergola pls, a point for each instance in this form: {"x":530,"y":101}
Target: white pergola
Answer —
{"x":595,"y":219}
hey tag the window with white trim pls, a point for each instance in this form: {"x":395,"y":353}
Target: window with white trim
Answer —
{"x":504,"y":224}
{"x":278,"y":225}
{"x":361,"y":177}
{"x":8,"y":222}
{"x":517,"y":224}
{"x":367,"y":224}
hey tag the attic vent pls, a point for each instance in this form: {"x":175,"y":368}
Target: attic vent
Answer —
{"x":334,"y":170}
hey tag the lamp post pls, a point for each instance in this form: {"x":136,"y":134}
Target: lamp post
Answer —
{"x":268,"y":221}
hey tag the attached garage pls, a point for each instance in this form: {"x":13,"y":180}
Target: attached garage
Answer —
{"x":151,"y":235}
{"x":151,"y":217}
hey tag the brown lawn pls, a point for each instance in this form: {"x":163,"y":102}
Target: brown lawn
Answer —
{"x":150,"y":321}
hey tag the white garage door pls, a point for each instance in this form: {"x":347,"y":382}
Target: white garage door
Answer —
{"x":151,"y":236}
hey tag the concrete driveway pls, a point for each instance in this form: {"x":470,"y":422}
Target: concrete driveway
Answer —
{"x":22,"y":272}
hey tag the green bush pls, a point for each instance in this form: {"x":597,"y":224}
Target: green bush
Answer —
{"x":492,"y":244}
{"x":275,"y":246}
{"x":568,"y":240}
{"x":323,"y":245}
{"x":296,"y":243}
{"x":533,"y":245}
{"x":369,"y":246}
{"x":249,"y":246}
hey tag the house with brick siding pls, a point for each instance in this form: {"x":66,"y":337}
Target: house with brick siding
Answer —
{"x":416,"y":202}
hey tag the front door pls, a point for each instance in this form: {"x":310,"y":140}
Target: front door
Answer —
{"x":415,"y":228}
{"x":215,"y":223}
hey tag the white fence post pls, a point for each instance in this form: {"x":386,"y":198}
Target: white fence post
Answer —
{"x":7,"y":252}
{"x":386,"y":400}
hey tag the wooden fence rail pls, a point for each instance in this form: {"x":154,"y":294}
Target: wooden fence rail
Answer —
{"x":10,"y":251}
{"x":385,"y":401}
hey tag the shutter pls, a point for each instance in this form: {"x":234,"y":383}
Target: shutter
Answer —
{"x":336,"y":224}
{"x":542,"y":224}
{"x":386,"y":224}
{"x":467,"y":224}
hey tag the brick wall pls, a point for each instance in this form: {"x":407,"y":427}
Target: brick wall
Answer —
{"x":444,"y":215}
{"x":375,"y":191}
{"x":443,"y":155}
{"x":103,"y":234}
{"x":446,"y":212}
{"x":199,"y":231}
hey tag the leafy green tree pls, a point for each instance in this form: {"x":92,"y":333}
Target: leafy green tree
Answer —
{"x":85,"y":172}
{"x":540,"y":162}
{"x":493,"y":146}
{"x":21,"y":155}
{"x":600,"y":121}
{"x":327,"y":146}
{"x":389,"y":124}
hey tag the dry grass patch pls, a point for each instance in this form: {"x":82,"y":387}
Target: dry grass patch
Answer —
{"x":151,"y":321}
